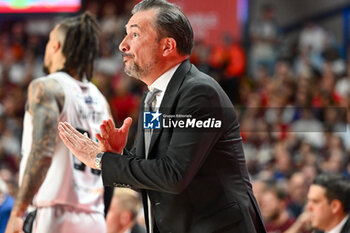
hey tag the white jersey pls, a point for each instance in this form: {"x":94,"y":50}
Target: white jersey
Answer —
{"x":69,"y":181}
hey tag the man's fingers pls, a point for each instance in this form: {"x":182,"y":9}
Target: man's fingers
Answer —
{"x":126,"y":125}
{"x":72,"y":134}
{"x":65,"y":128}
{"x":99,"y":137}
{"x":66,"y":140}
{"x":75,"y":138}
{"x":102,"y":142}
{"x":104,"y":131}
{"x":110,"y":124}
{"x":70,"y":129}
{"x":69,"y":137}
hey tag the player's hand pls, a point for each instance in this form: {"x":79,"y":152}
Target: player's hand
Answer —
{"x":80,"y":145}
{"x":114,"y":139}
{"x":14,"y":225}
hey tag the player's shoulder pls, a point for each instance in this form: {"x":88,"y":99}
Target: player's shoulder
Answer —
{"x":45,"y":87}
{"x":43,"y":82}
{"x":94,"y":88}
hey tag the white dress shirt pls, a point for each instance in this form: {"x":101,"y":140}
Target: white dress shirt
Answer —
{"x":337,"y":228}
{"x":161,"y":84}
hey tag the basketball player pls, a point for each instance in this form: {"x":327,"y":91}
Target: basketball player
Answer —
{"x":68,"y":196}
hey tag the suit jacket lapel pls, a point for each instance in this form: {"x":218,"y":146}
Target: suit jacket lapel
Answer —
{"x":140,"y":139}
{"x":346,"y":227}
{"x":169,"y":98}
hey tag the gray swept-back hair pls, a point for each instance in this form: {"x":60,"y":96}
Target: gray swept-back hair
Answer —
{"x":170,"y":22}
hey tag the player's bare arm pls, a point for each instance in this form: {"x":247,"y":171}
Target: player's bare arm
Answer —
{"x":45,"y":98}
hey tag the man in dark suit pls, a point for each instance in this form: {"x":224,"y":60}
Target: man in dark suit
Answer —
{"x":329,"y":204}
{"x":191,"y":171}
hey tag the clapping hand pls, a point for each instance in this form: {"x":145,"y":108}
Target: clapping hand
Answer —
{"x":80,"y":145}
{"x":114,"y":139}
{"x":111,"y":139}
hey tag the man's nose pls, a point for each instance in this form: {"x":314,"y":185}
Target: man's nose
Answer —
{"x":309,"y":206}
{"x":124,"y":45}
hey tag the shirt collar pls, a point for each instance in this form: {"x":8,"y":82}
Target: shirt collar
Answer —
{"x":339,"y":227}
{"x":162,"y":82}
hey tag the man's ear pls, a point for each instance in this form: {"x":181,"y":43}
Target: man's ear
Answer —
{"x":56,"y":46}
{"x":168,"y":46}
{"x":336,"y":206}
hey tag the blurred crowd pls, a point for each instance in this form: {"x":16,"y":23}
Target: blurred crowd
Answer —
{"x":292,"y":100}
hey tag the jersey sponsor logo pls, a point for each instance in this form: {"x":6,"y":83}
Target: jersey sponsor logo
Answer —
{"x":92,"y":115}
{"x":87,"y":99}
{"x":90,"y":100}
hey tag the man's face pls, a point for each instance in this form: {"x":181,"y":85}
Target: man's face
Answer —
{"x":49,"y":51}
{"x":319,"y":207}
{"x":140,"y":47}
{"x":270,"y":206}
{"x":113,"y":219}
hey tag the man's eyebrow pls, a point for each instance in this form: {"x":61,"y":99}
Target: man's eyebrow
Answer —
{"x":131,"y":26}
{"x":135,"y":25}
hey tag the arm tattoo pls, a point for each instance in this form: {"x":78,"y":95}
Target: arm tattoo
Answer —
{"x":43,"y":105}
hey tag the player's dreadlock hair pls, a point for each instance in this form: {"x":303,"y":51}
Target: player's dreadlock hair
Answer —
{"x":81,"y":44}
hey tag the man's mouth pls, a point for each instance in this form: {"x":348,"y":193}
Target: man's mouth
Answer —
{"x":126,"y":56}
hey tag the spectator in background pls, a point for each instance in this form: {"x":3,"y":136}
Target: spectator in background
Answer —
{"x":93,"y":7}
{"x":7,"y":160}
{"x":274,"y":211}
{"x":122,"y":215}
{"x":264,"y":36}
{"x":7,"y":175}
{"x":310,"y":172}
{"x":328,"y":203}
{"x":112,"y":25}
{"x":312,"y":37}
{"x":200,"y":58}
{"x":313,"y":40}
{"x":109,"y":21}
{"x":282,"y":162}
{"x":342,"y":86}
{"x":297,"y":190}
{"x":259,"y":188}
{"x":333,"y":163}
{"x":230,"y":59}
{"x":309,"y":128}
{"x":6,"y":204}
{"x":124,"y":103}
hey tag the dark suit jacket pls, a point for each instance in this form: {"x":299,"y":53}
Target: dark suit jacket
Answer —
{"x":345,"y":229}
{"x":197,"y":179}
{"x":138,"y":229}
